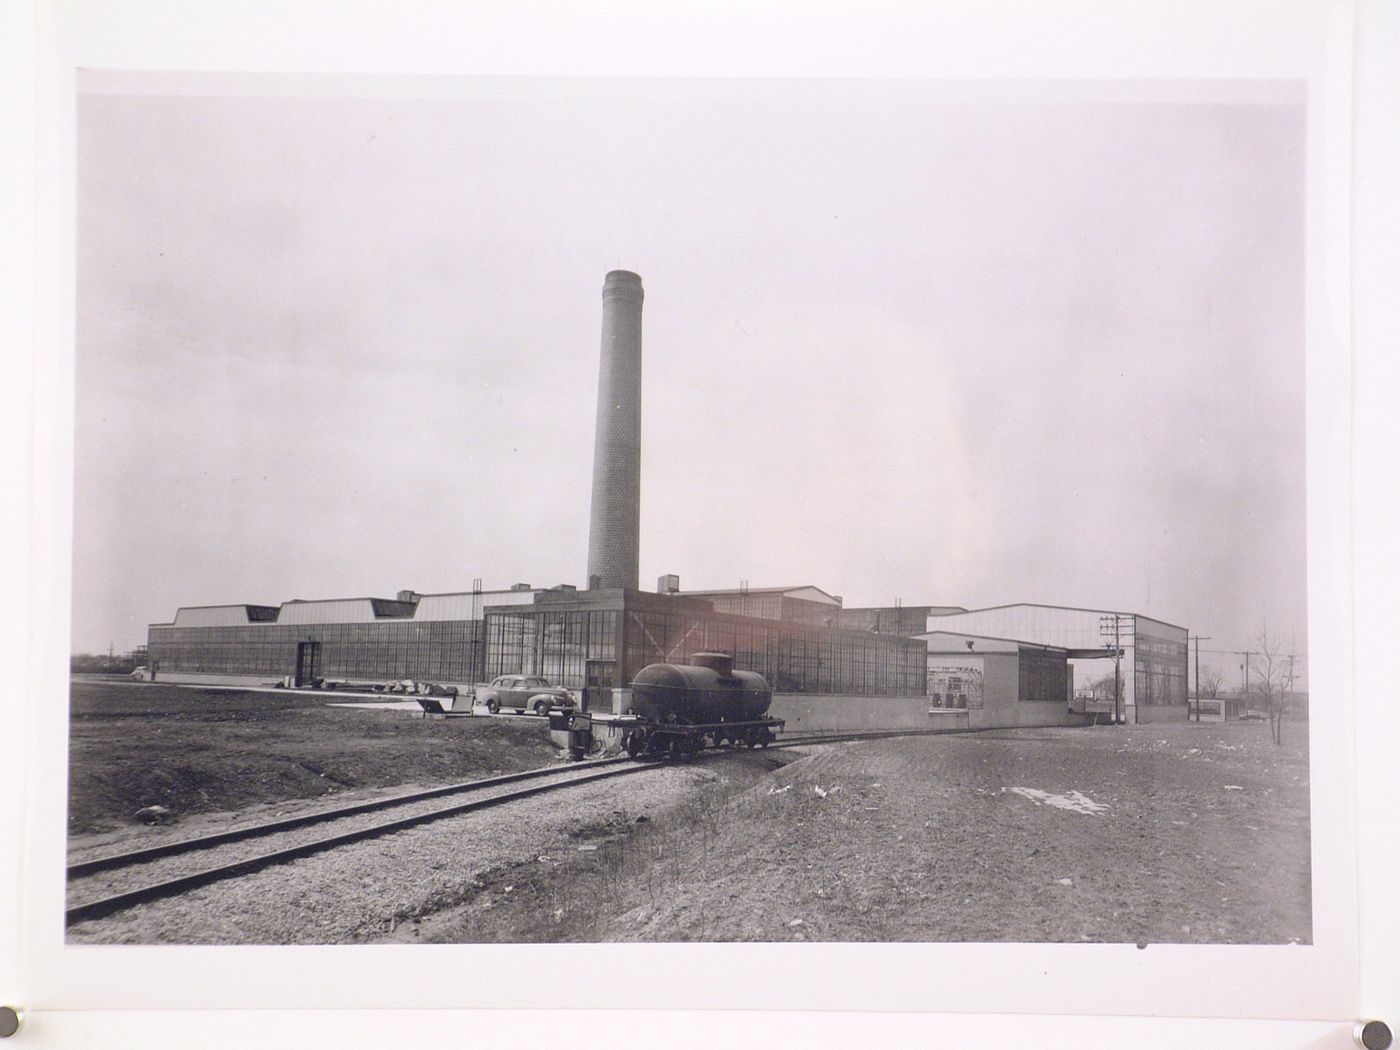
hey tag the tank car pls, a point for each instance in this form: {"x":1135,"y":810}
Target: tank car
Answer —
{"x":679,"y":708}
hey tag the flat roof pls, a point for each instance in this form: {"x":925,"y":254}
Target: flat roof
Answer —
{"x":1067,"y":608}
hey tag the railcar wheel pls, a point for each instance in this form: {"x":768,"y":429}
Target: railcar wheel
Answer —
{"x":633,"y":744}
{"x":673,"y":749}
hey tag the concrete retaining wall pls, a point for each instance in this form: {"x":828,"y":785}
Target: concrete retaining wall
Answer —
{"x":1031,"y":713}
{"x":805,"y":711}
{"x":1148,"y":713}
{"x":842,"y":713}
{"x":195,"y":678}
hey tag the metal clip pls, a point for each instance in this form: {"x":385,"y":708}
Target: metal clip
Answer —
{"x":1372,"y":1035}
{"x":11,"y":1018}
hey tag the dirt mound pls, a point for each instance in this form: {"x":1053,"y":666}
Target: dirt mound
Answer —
{"x":200,"y":751}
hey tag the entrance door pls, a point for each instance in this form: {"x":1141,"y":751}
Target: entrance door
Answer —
{"x":597,"y":685}
{"x":308,"y":663}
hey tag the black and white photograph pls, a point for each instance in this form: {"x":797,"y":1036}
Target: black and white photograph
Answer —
{"x":561,"y":510}
{"x":775,"y":524}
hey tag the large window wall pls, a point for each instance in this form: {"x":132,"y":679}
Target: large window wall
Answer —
{"x":556,"y":643}
{"x":1159,"y":668}
{"x":793,"y":657}
{"x":438,"y":651}
{"x":1043,"y":675}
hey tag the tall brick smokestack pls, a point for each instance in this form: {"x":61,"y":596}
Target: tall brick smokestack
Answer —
{"x":615,"y":524}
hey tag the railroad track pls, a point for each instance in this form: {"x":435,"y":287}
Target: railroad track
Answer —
{"x":200,"y":861}
{"x":207,"y":859}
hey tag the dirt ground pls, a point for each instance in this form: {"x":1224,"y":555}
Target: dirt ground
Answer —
{"x":1150,"y":834}
{"x":203,"y":751}
{"x":1146,"y":834}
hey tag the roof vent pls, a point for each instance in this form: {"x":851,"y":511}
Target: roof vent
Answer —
{"x":521,"y":587}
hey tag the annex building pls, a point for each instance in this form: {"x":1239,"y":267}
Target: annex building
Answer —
{"x":1151,"y":665}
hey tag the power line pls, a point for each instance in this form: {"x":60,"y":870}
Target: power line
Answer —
{"x":1243,"y":652}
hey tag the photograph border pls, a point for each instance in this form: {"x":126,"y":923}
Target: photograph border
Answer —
{"x":1316,"y":43}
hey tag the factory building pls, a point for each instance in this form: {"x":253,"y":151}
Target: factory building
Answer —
{"x":594,"y":640}
{"x":1151,"y":668}
{"x":830,"y":667}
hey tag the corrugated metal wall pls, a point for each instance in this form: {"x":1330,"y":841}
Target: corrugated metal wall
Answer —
{"x":337,"y":610}
{"x":1049,"y":625}
{"x":212,"y":616}
{"x":467,"y":605}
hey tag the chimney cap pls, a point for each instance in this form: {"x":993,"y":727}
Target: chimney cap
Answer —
{"x":622,"y":284}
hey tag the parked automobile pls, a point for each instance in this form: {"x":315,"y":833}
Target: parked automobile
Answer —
{"x":139,"y":674}
{"x":523,"y":692}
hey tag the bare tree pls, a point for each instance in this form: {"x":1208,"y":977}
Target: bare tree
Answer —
{"x":1211,"y":680}
{"x":1272,"y":686}
{"x":1103,"y":687}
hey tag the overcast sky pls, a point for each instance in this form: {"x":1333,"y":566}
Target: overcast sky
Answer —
{"x":897,"y":344}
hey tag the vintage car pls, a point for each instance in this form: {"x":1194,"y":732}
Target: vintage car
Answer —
{"x":522,"y":692}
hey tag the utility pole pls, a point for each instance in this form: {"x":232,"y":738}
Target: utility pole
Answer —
{"x":1199,"y":640}
{"x":1111,"y":627}
{"x":1117,"y":677}
{"x":1244,"y":693}
{"x":1244,"y":700}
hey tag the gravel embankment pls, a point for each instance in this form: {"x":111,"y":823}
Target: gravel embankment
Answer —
{"x":371,"y":890}
{"x":133,"y":876}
